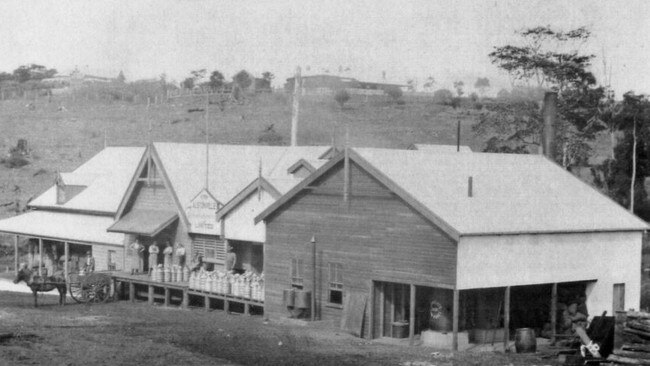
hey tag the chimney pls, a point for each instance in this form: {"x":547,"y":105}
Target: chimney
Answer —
{"x":549,"y":116}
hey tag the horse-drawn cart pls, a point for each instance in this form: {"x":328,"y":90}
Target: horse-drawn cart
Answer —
{"x":89,"y":288}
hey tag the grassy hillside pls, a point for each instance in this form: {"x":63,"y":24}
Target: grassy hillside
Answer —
{"x":63,"y":138}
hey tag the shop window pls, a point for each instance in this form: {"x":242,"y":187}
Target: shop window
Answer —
{"x":211,"y":247}
{"x":297,"y":275}
{"x":335,"y":284}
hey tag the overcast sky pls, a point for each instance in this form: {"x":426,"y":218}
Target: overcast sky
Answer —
{"x":448,"y":40}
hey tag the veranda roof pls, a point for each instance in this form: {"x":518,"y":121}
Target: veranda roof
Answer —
{"x":144,"y":222}
{"x":62,"y":227}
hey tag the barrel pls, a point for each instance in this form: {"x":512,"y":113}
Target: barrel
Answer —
{"x":525,"y":341}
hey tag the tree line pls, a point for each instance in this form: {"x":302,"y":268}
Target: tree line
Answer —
{"x":550,"y":59}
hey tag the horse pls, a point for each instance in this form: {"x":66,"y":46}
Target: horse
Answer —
{"x":43,"y":284}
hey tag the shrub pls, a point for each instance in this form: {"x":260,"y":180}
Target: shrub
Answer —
{"x":443,"y":96}
{"x":341,"y":97}
{"x":394,"y":93}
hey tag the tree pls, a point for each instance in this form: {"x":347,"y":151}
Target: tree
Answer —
{"x":32,"y":72}
{"x":243,"y":79}
{"x":5,"y":76}
{"x":503,"y":94}
{"x":341,"y":97}
{"x":268,"y":76}
{"x":443,"y":96}
{"x":428,"y":85}
{"x":482,"y":84}
{"x":550,"y":59}
{"x":188,"y":83}
{"x":216,"y":80}
{"x":120,"y":77}
{"x":198,"y":75}
{"x":458,"y":85}
{"x":412,"y":85}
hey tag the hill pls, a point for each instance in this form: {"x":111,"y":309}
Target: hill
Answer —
{"x":63,"y":132}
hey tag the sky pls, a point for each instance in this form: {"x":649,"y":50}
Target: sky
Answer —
{"x":448,"y":40}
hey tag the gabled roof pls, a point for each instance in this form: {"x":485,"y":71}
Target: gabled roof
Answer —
{"x":258,"y":183}
{"x":512,"y":194}
{"x":302,"y":163}
{"x":231,"y":167}
{"x":106,"y":177}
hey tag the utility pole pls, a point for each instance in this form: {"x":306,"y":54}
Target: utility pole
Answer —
{"x":297,"y":88}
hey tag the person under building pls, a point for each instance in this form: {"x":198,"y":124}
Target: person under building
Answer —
{"x":89,"y":264}
{"x":231,"y":259}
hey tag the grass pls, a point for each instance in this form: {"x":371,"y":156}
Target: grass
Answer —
{"x":61,"y":140}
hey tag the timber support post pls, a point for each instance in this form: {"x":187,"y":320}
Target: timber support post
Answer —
{"x":454,"y":342}
{"x":506,"y":319}
{"x":553,"y":312}
{"x":131,"y":291}
{"x":412,"y":315}
{"x":16,"y":255}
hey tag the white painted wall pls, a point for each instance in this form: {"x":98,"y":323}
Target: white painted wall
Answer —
{"x":514,"y":260}
{"x":100,"y":253}
{"x":240,"y":222}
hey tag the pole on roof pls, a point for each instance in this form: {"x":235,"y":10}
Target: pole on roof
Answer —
{"x":207,"y":139}
{"x":297,"y":81}
{"x":346,"y":167}
{"x":16,"y":255}
{"x":259,"y":181}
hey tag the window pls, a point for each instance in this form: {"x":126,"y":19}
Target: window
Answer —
{"x":297,"y":280}
{"x":111,"y":260}
{"x":212,"y":248}
{"x":336,"y":284}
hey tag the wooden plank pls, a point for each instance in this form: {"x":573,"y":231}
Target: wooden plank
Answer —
{"x":637,"y":314}
{"x":632,"y":354}
{"x":167,"y":296}
{"x":131,"y":292}
{"x":226,"y":305}
{"x":506,"y":319}
{"x":66,"y":258}
{"x":186,"y":299}
{"x":150,"y":294}
{"x":16,"y":255}
{"x":206,"y":302}
{"x":40,"y":256}
{"x":382,"y":308}
{"x":454,"y":342}
{"x":354,"y":308}
{"x":371,"y":312}
{"x":636,"y":347}
{"x":627,"y":360}
{"x":247,"y":310}
{"x":412,"y":315}
{"x":553,"y":312}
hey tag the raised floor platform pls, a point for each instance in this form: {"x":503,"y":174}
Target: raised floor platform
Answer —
{"x":134,"y":286}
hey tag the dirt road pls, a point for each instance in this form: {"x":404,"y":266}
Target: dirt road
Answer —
{"x":121,"y":333}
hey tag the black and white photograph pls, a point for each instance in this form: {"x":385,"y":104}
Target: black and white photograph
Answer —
{"x":324,"y":182}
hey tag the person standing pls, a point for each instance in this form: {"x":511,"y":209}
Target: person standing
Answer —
{"x":89,"y":266}
{"x":153,"y":256}
{"x":179,"y":259}
{"x":168,"y":255}
{"x":231,"y":259}
{"x":137,"y":259}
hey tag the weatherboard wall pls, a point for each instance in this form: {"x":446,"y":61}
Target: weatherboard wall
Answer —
{"x":374,"y":236}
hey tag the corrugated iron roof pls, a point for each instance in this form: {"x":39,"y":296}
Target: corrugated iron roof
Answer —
{"x":106,"y":176}
{"x":511,"y":193}
{"x":62,"y":226}
{"x":232,"y":167}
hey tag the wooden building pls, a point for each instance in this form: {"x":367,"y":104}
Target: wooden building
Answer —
{"x":477,"y":240}
{"x":71,"y":218}
{"x":178,"y":188}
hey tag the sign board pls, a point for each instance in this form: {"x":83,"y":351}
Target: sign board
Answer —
{"x":201,"y":214}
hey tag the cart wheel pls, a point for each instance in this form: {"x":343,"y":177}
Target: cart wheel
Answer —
{"x":99,"y":293}
{"x":77,"y":292}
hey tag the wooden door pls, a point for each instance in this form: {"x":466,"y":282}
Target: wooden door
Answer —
{"x":619,"y":297}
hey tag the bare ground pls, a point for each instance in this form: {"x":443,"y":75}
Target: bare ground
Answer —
{"x":121,"y":333}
